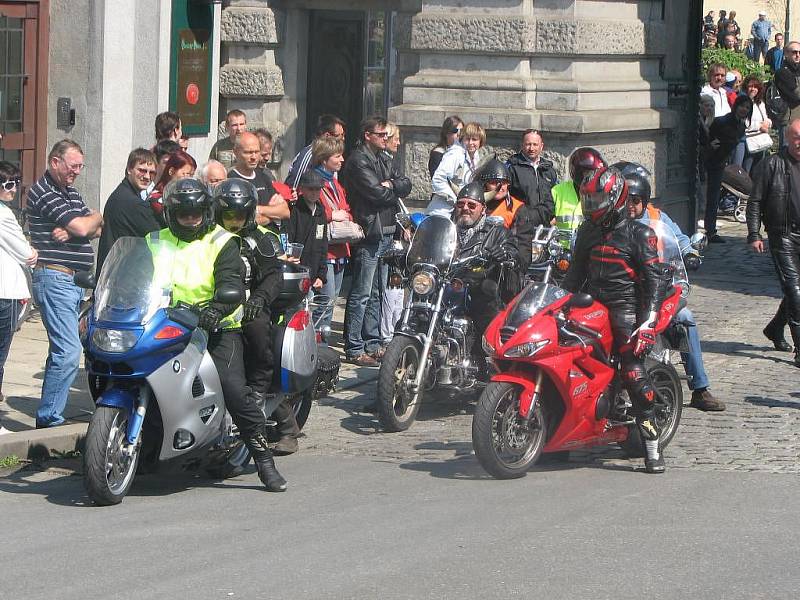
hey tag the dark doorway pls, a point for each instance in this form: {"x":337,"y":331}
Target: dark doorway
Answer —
{"x":336,"y":69}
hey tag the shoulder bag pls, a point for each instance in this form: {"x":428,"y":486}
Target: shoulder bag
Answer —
{"x":341,"y":232}
{"x":758,"y":141}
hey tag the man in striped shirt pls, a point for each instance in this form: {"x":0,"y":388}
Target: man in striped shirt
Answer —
{"x":61,"y":226}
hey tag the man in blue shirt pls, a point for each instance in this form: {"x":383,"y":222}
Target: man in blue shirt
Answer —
{"x":637,"y":178}
{"x":774,"y":57}
{"x":760,"y":31}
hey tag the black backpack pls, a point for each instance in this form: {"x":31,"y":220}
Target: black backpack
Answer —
{"x":777,"y":108}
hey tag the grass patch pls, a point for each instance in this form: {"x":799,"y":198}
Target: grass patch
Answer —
{"x":9,"y":461}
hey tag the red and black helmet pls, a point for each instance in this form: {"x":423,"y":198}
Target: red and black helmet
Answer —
{"x":603,"y":195}
{"x":582,"y":161}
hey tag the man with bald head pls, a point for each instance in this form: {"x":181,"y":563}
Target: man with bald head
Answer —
{"x":247,"y":154}
{"x":775,"y":203}
{"x":532,"y":178}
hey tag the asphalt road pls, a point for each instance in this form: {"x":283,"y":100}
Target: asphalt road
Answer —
{"x":363,"y":528}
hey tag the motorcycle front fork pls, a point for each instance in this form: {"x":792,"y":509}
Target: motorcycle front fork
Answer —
{"x":426,"y":347}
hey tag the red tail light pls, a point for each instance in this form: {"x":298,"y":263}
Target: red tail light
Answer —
{"x":170,"y":332}
{"x":299,"y":321}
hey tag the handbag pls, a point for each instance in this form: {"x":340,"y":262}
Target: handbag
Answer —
{"x":344,"y":232}
{"x":758,"y":142}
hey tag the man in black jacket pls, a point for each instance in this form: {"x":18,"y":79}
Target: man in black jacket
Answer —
{"x":775,"y":202}
{"x":127,"y":212}
{"x":532,"y":178}
{"x":787,"y":80}
{"x":372,"y":192}
{"x":307,"y":225}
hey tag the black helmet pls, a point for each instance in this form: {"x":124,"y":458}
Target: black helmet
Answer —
{"x":638,"y":179}
{"x":494,"y":170}
{"x":582,"y":161}
{"x":474,"y":191}
{"x":188,"y":195}
{"x":239,"y":196}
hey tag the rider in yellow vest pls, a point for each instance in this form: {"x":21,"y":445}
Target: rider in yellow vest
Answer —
{"x":568,"y":213}
{"x":206,"y":258}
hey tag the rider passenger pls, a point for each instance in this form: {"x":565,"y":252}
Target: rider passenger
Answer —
{"x":568,"y":213}
{"x":235,"y":202}
{"x":206,"y":258}
{"x":616,"y":260}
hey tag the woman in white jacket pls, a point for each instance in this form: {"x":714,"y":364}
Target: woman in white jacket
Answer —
{"x":759,"y":122}
{"x":15,"y":251}
{"x":458,"y":167}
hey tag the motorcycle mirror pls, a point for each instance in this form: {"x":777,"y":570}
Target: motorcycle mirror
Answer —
{"x":699,"y":241}
{"x":229,"y":295}
{"x":403,"y":219}
{"x":579,"y":300}
{"x":84,"y":279}
{"x":495,"y":221}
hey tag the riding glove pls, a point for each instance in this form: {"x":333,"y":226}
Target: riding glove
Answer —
{"x":252,"y":308}
{"x":497,"y":253}
{"x":210,"y":318}
{"x":645,"y":335}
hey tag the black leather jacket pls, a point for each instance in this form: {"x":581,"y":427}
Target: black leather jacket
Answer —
{"x":620,"y":267}
{"x":533,"y":186}
{"x":373,"y":205}
{"x":770,"y":202}
{"x":487,"y":236}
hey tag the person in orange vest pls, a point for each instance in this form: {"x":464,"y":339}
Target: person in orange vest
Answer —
{"x":517,"y":217}
{"x":639,"y":208}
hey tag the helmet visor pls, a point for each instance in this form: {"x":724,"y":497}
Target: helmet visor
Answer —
{"x":594,"y":204}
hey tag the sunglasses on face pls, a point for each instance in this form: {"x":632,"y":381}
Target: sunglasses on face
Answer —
{"x":10,"y":184}
{"x":469,"y":204}
{"x":455,"y":130}
{"x":380,"y":134}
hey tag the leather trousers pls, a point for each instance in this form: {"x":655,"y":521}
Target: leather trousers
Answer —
{"x":785,"y":250}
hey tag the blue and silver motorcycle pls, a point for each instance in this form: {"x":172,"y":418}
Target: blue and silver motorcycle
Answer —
{"x":158,"y":395}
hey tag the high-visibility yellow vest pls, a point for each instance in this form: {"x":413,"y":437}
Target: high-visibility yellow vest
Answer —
{"x":192,"y":269}
{"x":567,"y":206}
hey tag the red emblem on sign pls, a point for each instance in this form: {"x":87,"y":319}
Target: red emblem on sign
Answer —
{"x":192,"y":94}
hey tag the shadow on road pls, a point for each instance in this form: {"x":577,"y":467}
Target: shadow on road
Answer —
{"x":772,"y":402}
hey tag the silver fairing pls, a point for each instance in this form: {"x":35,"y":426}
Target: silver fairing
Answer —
{"x":172,"y":388}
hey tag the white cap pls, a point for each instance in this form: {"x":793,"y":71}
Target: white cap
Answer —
{"x":761,"y":13}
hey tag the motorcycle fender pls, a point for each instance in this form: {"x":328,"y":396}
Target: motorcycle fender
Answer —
{"x":528,"y":387}
{"x":414,"y":336}
{"x":123,"y":400}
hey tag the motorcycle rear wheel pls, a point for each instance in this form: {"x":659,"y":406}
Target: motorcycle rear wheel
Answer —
{"x":301,"y":406}
{"x":505,"y":445}
{"x":108,"y":469}
{"x":397,"y":404}
{"x":668,"y":407}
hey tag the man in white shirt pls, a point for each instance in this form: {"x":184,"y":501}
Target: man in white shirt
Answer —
{"x":715,"y":89}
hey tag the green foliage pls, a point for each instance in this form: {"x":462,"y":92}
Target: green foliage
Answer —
{"x":733,"y":60}
{"x":9,"y":461}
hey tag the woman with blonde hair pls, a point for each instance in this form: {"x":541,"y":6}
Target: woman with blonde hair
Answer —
{"x":457,"y":169}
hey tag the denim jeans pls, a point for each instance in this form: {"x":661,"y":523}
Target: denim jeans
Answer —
{"x":9,"y":311}
{"x":362,"y":317}
{"x":59,"y":300}
{"x":693,"y":360}
{"x":760,"y":48}
{"x":331,"y":289}
{"x":713,"y":186}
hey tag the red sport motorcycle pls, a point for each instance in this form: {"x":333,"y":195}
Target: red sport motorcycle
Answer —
{"x":558,"y":386}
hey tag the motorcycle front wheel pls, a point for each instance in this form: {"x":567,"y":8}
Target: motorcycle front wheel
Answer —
{"x":398,"y":405}
{"x":506,"y":446}
{"x":109,"y":465}
{"x":668,"y":407}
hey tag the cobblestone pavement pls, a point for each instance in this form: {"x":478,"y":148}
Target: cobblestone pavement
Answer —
{"x":733,"y":296}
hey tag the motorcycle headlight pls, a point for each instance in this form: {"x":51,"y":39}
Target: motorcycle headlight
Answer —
{"x":423,"y":283}
{"x":526,"y":349}
{"x":115,"y":340}
{"x":488,"y":349}
{"x":537,"y":253}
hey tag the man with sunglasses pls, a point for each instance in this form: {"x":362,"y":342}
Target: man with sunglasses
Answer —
{"x":373,"y":194}
{"x":61,"y":226}
{"x":640,"y":209}
{"x":127,"y":212}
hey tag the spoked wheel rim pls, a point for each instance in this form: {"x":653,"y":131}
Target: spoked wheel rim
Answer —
{"x":119,"y":464}
{"x":666,"y":399}
{"x":516,"y":442}
{"x":404,"y":375}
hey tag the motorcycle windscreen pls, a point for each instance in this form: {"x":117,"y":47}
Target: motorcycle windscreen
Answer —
{"x":434,"y":243}
{"x":669,"y":253}
{"x":535,"y":297}
{"x":135,"y":281}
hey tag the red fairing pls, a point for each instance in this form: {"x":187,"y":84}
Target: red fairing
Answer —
{"x":669,"y":308}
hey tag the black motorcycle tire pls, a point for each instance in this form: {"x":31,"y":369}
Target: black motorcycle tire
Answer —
{"x":669,"y":407}
{"x":301,"y":405}
{"x":393,"y":360}
{"x":104,"y":441}
{"x":490,"y":437}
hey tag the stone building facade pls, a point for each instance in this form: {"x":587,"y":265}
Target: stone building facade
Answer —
{"x":619,"y":75}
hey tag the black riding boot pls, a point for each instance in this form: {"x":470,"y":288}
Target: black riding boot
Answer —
{"x":287,"y":430}
{"x":653,"y":458}
{"x":795,"y":331}
{"x":774,"y":330}
{"x":262,"y":455}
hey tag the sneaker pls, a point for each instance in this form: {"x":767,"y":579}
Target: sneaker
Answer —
{"x":716,"y":239}
{"x":378,"y":354}
{"x":705,"y":400}
{"x":363,"y":360}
